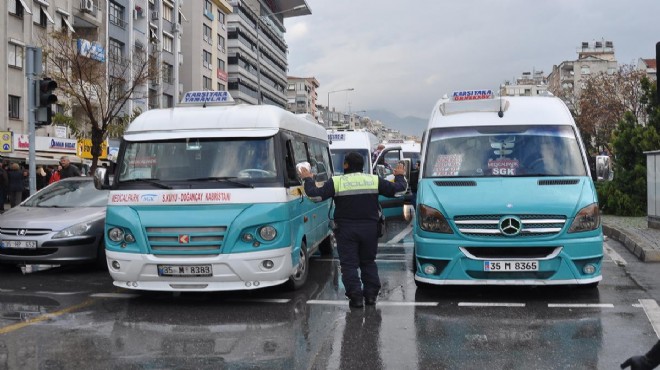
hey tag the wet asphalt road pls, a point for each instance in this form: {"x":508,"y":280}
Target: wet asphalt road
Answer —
{"x":73,"y":318}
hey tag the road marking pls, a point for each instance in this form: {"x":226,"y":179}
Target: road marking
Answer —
{"x":44,"y":317}
{"x":580,"y":305}
{"x":379,"y":303}
{"x":60,"y":293}
{"x":489,"y":304}
{"x":615,"y":256}
{"x":652,"y":311}
{"x":262,"y":300}
{"x":378,"y":260}
{"x":114,"y":295}
{"x":406,"y":230}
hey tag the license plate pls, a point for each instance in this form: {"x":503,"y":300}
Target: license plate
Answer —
{"x":506,"y":266}
{"x":185,"y":270}
{"x":19,"y":244}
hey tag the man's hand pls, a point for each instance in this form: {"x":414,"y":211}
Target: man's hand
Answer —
{"x":637,"y":363}
{"x":400,"y":169}
{"x":304,"y":173}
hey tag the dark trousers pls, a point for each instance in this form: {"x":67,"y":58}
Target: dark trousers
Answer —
{"x":357,"y":245}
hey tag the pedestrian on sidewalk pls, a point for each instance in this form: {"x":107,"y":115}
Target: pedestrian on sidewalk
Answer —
{"x":15,"y":184}
{"x":68,"y":170}
{"x":4,"y":187}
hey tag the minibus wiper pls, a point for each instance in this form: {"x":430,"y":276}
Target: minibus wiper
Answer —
{"x":153,"y":182}
{"x":228,"y":179}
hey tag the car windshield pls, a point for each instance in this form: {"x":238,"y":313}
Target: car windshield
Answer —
{"x":69,"y":194}
{"x":512,"y":151}
{"x":199,"y":159}
{"x":338,"y":159}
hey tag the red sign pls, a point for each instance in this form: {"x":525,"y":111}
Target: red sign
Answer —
{"x":222,"y":75}
{"x":184,"y":239}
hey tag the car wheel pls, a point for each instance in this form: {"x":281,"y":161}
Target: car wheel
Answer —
{"x":101,"y":261}
{"x":299,"y":276}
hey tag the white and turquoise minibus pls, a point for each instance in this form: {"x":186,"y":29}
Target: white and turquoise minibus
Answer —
{"x":207,"y":198}
{"x":505,"y":196}
{"x":344,"y":141}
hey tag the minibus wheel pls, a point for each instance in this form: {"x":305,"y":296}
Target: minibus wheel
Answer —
{"x":299,"y":277}
{"x":327,"y":245}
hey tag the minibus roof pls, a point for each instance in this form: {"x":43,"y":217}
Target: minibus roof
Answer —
{"x":240,"y":120}
{"x":352,"y":139}
{"x":516,"y":110}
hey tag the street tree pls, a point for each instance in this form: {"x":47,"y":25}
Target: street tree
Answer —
{"x":626,"y":195}
{"x":603,"y":101}
{"x":97,"y":88}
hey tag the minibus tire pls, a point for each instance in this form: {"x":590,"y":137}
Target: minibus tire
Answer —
{"x":298,"y":278}
{"x":326,"y":247}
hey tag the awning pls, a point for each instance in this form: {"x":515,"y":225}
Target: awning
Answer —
{"x":27,"y":10}
{"x":50,"y":19}
{"x":66,"y":21}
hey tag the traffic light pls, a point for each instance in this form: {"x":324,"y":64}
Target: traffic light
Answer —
{"x":45,"y":98}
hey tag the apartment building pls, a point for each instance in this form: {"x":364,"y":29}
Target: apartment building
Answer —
{"x":257,"y":51}
{"x":567,"y":78}
{"x":301,"y":95}
{"x":204,"y":46}
{"x":528,"y":84}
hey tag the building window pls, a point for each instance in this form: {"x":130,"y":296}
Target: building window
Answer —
{"x":208,"y":61}
{"x":208,"y":7}
{"x":42,"y":20}
{"x":168,"y":73}
{"x":292,"y":87}
{"x":15,"y":56}
{"x":221,"y":64}
{"x":116,"y":15}
{"x":16,"y":8}
{"x":14,"y":106}
{"x":168,"y":101}
{"x":585,"y":70}
{"x":221,"y":43}
{"x":167,"y":43}
{"x":221,"y":87}
{"x":221,"y":17}
{"x":207,"y":83}
{"x":153,"y":99}
{"x":115,"y":50}
{"x":117,"y":88}
{"x":66,"y":25}
{"x":207,"y":34}
{"x":167,"y":12}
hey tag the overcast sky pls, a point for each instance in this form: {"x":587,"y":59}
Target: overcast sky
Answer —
{"x":403,"y":55}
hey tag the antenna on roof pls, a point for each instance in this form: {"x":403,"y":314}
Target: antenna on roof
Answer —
{"x":500,"y":113}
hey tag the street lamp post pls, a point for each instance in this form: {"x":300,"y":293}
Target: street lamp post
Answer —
{"x":329,"y":110}
{"x":258,"y":24}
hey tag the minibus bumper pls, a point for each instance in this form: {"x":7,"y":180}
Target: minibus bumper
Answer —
{"x":236,"y":271}
{"x":571,"y":262}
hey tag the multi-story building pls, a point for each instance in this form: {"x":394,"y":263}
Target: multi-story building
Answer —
{"x":649,"y":66}
{"x":257,"y":61}
{"x":529,"y":84}
{"x":567,"y":78}
{"x":205,"y":45}
{"x":301,"y":95}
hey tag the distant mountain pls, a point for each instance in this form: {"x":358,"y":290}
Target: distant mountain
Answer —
{"x":407,"y":125}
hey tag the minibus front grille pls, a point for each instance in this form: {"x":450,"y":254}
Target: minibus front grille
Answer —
{"x":455,"y":183}
{"x":559,"y":182}
{"x":186,"y":240}
{"x":489,"y":225}
{"x":511,"y":252}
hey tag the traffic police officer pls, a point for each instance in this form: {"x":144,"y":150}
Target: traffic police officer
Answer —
{"x":356,"y":218}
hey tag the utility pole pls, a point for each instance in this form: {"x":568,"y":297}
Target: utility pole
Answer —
{"x":32,"y":70}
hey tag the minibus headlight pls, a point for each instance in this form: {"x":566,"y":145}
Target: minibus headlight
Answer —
{"x":267,"y":233}
{"x":587,"y":219}
{"x":116,"y":234}
{"x":430,"y":219}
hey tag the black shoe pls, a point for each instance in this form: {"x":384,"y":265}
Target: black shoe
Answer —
{"x":355,"y":302}
{"x":370,"y":301}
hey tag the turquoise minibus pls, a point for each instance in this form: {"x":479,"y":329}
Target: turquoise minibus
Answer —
{"x":505,"y":196}
{"x":206,"y":198}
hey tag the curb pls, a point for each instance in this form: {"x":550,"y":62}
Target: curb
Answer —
{"x":633,"y":244}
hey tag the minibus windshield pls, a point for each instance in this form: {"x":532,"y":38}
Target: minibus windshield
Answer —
{"x":338,"y":159}
{"x":244,"y":160}
{"x":497,"y":151}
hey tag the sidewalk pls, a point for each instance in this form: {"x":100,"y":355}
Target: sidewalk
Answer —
{"x":634,"y":233}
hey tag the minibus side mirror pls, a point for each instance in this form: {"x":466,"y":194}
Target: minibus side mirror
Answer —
{"x":101,"y":180}
{"x":604,"y":168}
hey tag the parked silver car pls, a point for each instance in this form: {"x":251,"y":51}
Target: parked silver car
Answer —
{"x":62,"y":223}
